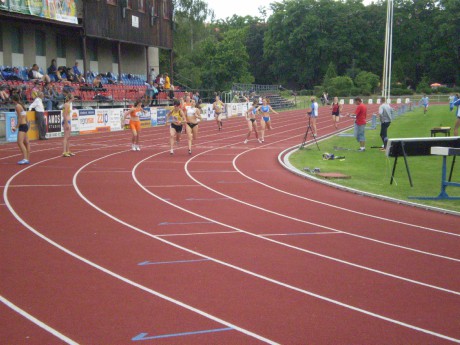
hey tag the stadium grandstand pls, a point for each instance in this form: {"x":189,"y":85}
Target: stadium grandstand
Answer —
{"x":115,"y":41}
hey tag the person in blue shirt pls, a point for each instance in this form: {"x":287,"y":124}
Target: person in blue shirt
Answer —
{"x":456,"y":103}
{"x":77,"y":73}
{"x":265,"y":122}
{"x":425,"y":100}
{"x":313,"y":115}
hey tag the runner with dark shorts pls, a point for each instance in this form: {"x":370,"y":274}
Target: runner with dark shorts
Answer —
{"x":23,"y":127}
{"x":177,"y":120}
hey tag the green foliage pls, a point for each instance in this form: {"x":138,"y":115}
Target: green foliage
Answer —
{"x":367,"y":82}
{"x":330,"y":73}
{"x":340,"y":86}
{"x":309,"y":42}
{"x":423,"y":86}
{"x":401,"y":92}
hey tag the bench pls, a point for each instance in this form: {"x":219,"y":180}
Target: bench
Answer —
{"x":436,"y":130}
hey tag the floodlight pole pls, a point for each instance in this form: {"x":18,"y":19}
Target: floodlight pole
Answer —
{"x":386,"y":77}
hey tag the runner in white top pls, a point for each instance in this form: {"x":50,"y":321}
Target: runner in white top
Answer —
{"x":193,"y":114}
{"x":252,"y":121}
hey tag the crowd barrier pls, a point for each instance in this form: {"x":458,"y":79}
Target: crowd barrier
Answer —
{"x":89,"y":121}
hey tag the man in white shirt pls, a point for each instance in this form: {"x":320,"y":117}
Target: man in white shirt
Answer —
{"x":386,"y":116}
{"x":37,"y":104}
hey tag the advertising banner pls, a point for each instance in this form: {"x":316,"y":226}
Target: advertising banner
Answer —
{"x":54,"y":123}
{"x":146,"y":118}
{"x":102,"y":123}
{"x":32,"y":133}
{"x":60,"y":10}
{"x":153,"y":116}
{"x":74,"y":123}
{"x":11,"y":122}
{"x":115,"y":118}
{"x":161,"y":117}
{"x":87,"y":121}
{"x":206,"y":112}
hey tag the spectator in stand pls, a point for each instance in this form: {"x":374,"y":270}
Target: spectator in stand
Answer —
{"x":167,"y":84}
{"x":97,"y":82}
{"x":4,"y":95}
{"x":155,"y":95}
{"x":53,"y":71}
{"x":153,"y":75}
{"x":78,"y":75}
{"x":360,"y":124}
{"x":37,"y":104}
{"x":149,"y":92}
{"x":48,"y":97}
{"x":161,"y":82}
{"x":36,"y":89}
{"x":196,"y":97}
{"x":34,"y":74}
{"x":71,"y":77}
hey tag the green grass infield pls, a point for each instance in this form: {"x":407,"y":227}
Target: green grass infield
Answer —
{"x":370,"y":171}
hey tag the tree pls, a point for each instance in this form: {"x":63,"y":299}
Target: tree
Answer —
{"x":367,"y":82}
{"x":330,"y":73}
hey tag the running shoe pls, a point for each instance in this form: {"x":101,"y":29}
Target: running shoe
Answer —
{"x":260,"y":141}
{"x":138,"y":148}
{"x":246,"y":141}
{"x":133,"y":147}
{"x":189,"y":152}
{"x":24,"y":161}
{"x":66,"y":154}
{"x":171,"y":152}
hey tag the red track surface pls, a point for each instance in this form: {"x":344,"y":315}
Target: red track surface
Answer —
{"x":221,"y":247}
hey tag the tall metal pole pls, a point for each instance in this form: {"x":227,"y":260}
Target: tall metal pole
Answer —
{"x":387,"y":60}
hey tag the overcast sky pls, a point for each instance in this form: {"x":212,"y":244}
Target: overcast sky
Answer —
{"x":227,"y":8}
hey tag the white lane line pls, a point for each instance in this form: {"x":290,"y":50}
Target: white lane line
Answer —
{"x":36,"y":321}
{"x":199,"y":234}
{"x":322,"y":203}
{"x":113,"y":274}
{"x":309,"y":293}
{"x":40,"y":185}
{"x":173,"y":186}
{"x":302,"y":234}
{"x":305,"y":221}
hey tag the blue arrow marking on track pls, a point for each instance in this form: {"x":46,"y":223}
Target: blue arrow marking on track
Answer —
{"x":144,"y":336}
{"x":145,"y":263}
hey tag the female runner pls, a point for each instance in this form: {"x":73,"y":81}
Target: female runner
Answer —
{"x":336,"y":108}
{"x":66,"y":124}
{"x":135,"y":124}
{"x":23,"y":127}
{"x":193,"y":117}
{"x":265,"y":122}
{"x":252,"y":123}
{"x":218,"y":107}
{"x":177,"y":119}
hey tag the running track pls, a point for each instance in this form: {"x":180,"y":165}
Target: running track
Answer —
{"x":221,"y":247}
